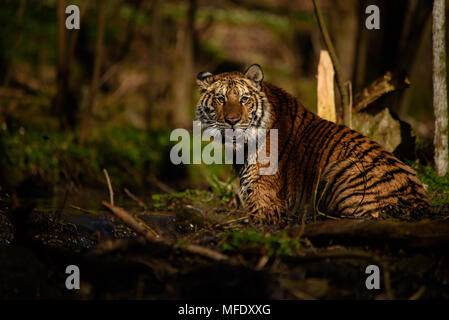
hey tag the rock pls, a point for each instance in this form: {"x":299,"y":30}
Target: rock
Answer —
{"x":384,"y":128}
{"x":380,"y":127}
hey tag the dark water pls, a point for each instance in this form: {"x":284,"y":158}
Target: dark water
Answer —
{"x":79,"y":220}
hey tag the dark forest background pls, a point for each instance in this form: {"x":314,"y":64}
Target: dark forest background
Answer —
{"x":73,"y":102}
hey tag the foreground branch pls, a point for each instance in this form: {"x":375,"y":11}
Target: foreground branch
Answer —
{"x":422,"y":234}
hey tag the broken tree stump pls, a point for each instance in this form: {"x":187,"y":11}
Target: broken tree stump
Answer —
{"x":389,"y":82}
{"x":325,"y":89}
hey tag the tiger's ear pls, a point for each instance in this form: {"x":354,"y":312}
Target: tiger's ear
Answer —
{"x":202,"y":79}
{"x":255,"y":74}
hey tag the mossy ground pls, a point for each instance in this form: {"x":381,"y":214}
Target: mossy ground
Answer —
{"x":437,"y":186}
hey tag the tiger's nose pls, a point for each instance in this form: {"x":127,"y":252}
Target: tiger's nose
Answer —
{"x":232,"y":120}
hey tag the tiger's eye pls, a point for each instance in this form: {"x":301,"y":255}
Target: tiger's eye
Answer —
{"x":244,"y":99}
{"x":220,"y":99}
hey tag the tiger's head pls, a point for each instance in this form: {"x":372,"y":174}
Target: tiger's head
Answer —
{"x":232,"y":100}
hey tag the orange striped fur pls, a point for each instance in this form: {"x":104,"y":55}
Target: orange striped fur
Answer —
{"x":323,"y":167}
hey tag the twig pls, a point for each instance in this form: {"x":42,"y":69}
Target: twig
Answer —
{"x":148,"y":227}
{"x":132,"y":196}
{"x":203,"y":251}
{"x":326,"y":216}
{"x":83,"y":210}
{"x":111,"y":192}
{"x":262,"y":262}
{"x":129,"y":220}
{"x":418,"y":294}
{"x":349,"y":85}
{"x":160,"y":184}
{"x":231,"y":221}
{"x":192,"y":248}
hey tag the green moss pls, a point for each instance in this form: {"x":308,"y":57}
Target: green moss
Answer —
{"x":55,"y":156}
{"x":278,"y":244}
{"x":223,"y":189}
{"x":165,"y":199}
{"x":437,"y":187}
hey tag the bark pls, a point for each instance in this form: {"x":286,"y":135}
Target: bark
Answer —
{"x":440,"y":103}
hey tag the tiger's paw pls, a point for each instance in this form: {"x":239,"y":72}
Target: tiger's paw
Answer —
{"x":266,"y":216}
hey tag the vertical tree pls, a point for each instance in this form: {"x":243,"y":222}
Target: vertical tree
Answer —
{"x":344,"y":24}
{"x":153,"y":70}
{"x":184,"y":74}
{"x":440,"y":103}
{"x":96,"y":74}
{"x":61,"y":71}
{"x":17,"y":39}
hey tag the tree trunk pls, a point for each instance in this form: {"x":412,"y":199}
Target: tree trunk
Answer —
{"x":61,"y":72}
{"x":96,"y":74}
{"x":180,"y":115}
{"x":440,"y":103}
{"x":344,"y":25}
{"x":154,"y":118}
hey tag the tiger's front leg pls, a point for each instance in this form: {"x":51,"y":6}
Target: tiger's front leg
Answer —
{"x":264,"y":206}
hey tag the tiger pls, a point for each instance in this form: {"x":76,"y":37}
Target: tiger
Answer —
{"x":323,"y":167}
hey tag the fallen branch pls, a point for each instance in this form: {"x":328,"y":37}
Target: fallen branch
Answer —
{"x":387,"y":83}
{"x":140,"y":228}
{"x":131,"y":221}
{"x":422,"y":234}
